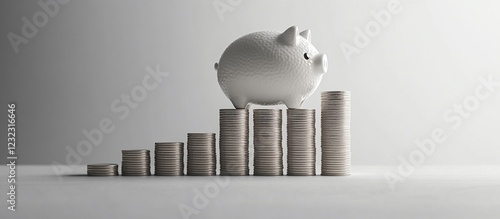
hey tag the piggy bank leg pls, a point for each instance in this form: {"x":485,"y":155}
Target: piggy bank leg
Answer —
{"x":293,"y":103}
{"x":239,"y":102}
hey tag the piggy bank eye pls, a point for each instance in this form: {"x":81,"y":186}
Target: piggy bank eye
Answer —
{"x":307,"y":56}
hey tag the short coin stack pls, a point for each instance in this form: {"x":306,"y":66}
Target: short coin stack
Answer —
{"x":169,"y":158}
{"x":233,"y":142}
{"x":336,"y":133}
{"x":268,"y":150}
{"x":136,"y":162}
{"x":102,"y":169}
{"x":301,"y":140}
{"x":201,"y":159}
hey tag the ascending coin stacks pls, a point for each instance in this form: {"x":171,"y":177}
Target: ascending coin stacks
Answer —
{"x":267,"y":140}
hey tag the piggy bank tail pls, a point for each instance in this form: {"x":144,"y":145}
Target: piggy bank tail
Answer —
{"x":216,"y":66}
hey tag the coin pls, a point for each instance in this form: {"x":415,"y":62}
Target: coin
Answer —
{"x":301,"y":142}
{"x":233,"y":142}
{"x":169,"y":158}
{"x":136,"y":162}
{"x":335,"y":133}
{"x":268,"y":150}
{"x":102,"y":169}
{"x":201,"y":160}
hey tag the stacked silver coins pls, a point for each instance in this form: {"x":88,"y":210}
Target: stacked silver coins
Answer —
{"x":336,"y":133}
{"x":301,"y":140}
{"x":233,"y":142}
{"x":201,"y":159}
{"x":102,"y":169}
{"x":136,"y":162}
{"x":169,"y":158}
{"x":268,"y":150}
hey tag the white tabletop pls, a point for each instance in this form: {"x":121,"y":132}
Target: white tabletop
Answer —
{"x":431,"y":192}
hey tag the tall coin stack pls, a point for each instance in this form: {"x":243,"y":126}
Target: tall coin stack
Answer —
{"x":268,"y":151}
{"x":136,"y":162}
{"x":169,"y":158}
{"x":233,"y":142}
{"x":201,"y":159}
{"x":102,"y":169}
{"x":336,"y":133}
{"x":301,"y":140}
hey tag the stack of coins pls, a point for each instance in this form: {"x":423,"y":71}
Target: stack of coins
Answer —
{"x":136,"y":162}
{"x":102,"y":169}
{"x":336,"y":133}
{"x":169,"y":158}
{"x":268,"y":151}
{"x":201,"y":159}
{"x":301,"y":140}
{"x":233,"y":142}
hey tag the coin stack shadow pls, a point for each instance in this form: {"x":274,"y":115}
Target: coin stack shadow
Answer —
{"x":268,"y":150}
{"x":336,"y":133}
{"x":233,"y":142}
{"x":201,"y":160}
{"x":136,"y":162}
{"x":301,"y":141}
{"x":102,"y":169}
{"x":169,"y":158}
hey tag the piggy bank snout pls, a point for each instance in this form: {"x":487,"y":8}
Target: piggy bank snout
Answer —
{"x":320,"y":64}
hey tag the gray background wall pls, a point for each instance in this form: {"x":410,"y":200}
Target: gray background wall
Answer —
{"x":427,"y":59}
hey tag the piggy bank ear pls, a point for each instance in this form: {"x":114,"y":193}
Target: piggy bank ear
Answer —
{"x":306,"y":34}
{"x":290,"y":36}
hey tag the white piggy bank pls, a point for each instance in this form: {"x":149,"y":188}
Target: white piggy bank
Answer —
{"x":271,"y":68}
